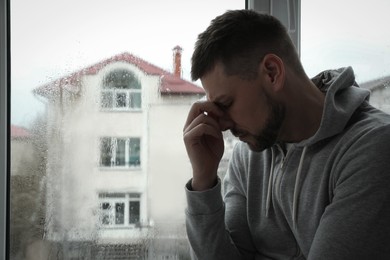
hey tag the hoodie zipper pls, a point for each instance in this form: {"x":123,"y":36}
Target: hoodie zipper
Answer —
{"x":278,"y":180}
{"x":285,"y":156}
{"x":279,"y":175}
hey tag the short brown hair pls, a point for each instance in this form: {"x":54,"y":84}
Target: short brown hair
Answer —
{"x":240,"y":39}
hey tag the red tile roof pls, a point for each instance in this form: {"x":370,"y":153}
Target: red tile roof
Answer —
{"x":170,"y":84}
{"x":19,"y":132}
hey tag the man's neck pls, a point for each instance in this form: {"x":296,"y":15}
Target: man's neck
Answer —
{"x":304,"y":107}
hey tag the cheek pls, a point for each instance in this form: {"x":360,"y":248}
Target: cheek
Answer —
{"x":246,"y":117}
{"x":250,"y":109}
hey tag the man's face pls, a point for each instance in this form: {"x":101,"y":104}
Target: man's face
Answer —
{"x":250,"y":113}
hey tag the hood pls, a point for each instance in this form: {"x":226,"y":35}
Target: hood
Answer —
{"x":343,"y":97}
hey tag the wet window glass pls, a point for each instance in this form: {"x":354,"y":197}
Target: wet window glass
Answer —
{"x":99,"y":95}
{"x":337,"y":34}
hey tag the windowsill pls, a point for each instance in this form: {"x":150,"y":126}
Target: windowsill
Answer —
{"x":119,"y":227}
{"x":124,"y":168}
{"x":121,"y":110}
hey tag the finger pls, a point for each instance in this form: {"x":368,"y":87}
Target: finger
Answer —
{"x":201,"y":107}
{"x":194,"y":134}
{"x":203,"y":119}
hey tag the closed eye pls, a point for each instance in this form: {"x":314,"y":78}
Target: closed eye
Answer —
{"x":223,"y":105}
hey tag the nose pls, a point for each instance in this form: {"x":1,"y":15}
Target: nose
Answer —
{"x":225,"y":122}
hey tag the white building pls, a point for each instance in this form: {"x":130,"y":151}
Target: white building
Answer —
{"x":117,"y":164}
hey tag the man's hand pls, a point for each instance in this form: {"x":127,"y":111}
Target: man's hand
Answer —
{"x":203,"y":139}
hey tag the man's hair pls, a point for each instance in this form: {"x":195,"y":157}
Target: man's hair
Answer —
{"x":240,"y":39}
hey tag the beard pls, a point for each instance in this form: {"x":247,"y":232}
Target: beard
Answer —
{"x":268,"y":136}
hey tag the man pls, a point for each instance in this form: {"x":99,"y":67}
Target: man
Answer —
{"x":311,"y":177}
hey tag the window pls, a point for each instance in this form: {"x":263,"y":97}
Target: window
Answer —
{"x":120,"y":152}
{"x":121,"y":91}
{"x":67,"y":40}
{"x":86,"y":74}
{"x":120,"y":209}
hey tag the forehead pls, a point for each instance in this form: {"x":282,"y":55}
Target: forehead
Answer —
{"x":216,"y":83}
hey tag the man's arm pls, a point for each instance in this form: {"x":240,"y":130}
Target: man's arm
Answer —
{"x":206,"y":228}
{"x":356,"y":224}
{"x":206,"y":211}
{"x":207,"y":217}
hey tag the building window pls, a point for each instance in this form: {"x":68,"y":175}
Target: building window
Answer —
{"x":120,"y":209}
{"x":120,"y":152}
{"x":121,"y":91}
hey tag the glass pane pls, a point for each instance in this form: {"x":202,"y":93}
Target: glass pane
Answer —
{"x":112,"y":195}
{"x":59,"y":60}
{"x":105,"y":152}
{"x":134,"y":195}
{"x":134,"y":159}
{"x":119,"y":213}
{"x":106,"y":213}
{"x":81,"y":72}
{"x":121,"y":100}
{"x":121,"y":79}
{"x":105,"y":206}
{"x":120,"y":152}
{"x":135,"y":100}
{"x":106,"y":99}
{"x":134,"y":212}
{"x":349,"y":38}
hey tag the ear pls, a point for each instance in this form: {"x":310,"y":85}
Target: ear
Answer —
{"x":273,"y":71}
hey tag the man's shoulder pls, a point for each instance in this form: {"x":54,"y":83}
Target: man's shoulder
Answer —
{"x":368,"y":118}
{"x":368,"y":134}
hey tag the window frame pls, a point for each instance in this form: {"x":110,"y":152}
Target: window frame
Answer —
{"x":128,"y":152}
{"x":113,"y":199}
{"x":287,"y":11}
{"x":4,"y":127}
{"x":114,"y":92}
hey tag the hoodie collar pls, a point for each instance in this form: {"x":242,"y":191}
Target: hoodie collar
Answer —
{"x":343,"y":97}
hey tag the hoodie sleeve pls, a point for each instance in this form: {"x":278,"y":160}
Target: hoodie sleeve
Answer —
{"x":207,"y":217}
{"x":356,"y":224}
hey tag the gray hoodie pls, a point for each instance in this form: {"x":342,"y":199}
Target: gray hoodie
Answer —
{"x":327,"y":197}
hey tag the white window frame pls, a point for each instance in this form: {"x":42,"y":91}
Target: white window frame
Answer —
{"x":112,"y":199}
{"x":114,"y":92}
{"x":114,"y":144}
{"x":128,"y":93}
